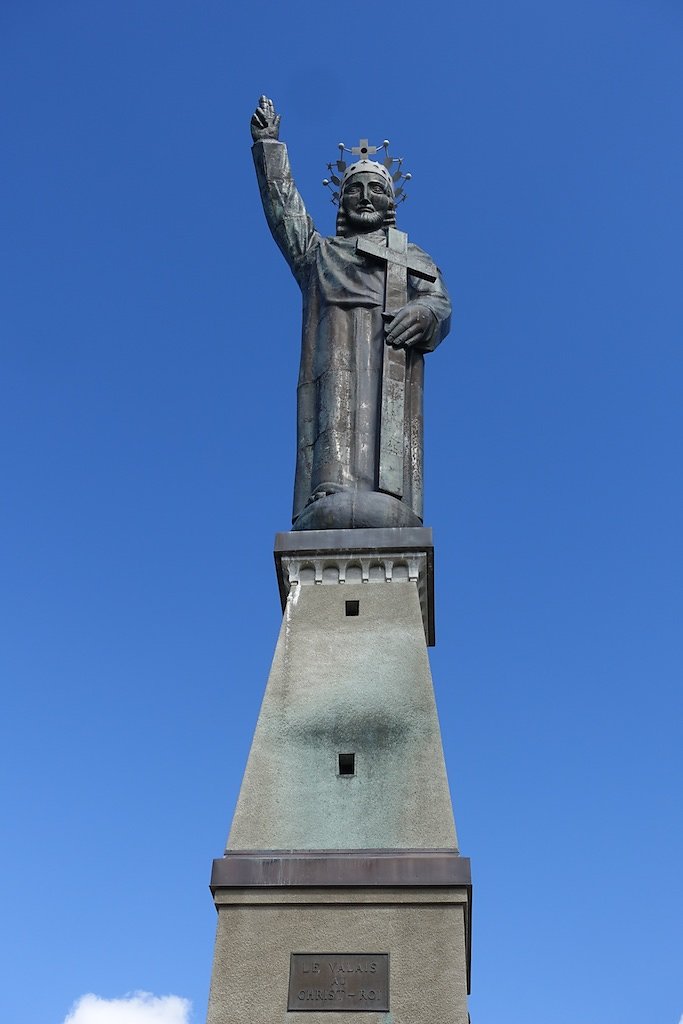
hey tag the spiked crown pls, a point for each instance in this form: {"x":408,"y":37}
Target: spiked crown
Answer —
{"x":389,"y":169}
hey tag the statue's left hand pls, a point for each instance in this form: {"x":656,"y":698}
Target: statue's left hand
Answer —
{"x":412,"y":325}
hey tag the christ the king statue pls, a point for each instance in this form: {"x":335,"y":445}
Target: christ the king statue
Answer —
{"x":373,"y":304}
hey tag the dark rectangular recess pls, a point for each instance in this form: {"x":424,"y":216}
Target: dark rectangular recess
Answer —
{"x":353,"y":607}
{"x":347,"y":764}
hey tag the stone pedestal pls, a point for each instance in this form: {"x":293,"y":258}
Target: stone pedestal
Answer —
{"x":342,"y":851}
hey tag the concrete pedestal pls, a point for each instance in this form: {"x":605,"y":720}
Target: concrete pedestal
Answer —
{"x":422,"y":929}
{"x":343,"y":840}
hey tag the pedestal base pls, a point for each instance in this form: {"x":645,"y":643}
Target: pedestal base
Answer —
{"x":404,"y":946}
{"x":341,"y":889}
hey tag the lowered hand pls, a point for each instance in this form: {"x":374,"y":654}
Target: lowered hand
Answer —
{"x":412,"y":325}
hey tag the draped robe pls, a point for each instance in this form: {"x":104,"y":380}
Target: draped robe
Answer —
{"x":339,"y":389}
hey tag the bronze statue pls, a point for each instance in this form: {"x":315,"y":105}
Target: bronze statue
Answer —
{"x":372,"y":305}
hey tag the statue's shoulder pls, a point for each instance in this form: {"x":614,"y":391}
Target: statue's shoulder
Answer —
{"x":338,"y":241}
{"x":421,"y":255}
{"x":336,"y":245}
{"x":418,"y":250}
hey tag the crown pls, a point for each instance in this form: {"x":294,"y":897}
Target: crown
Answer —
{"x":342,"y":171}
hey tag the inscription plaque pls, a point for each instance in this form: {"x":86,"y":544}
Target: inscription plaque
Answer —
{"x":338,"y":981}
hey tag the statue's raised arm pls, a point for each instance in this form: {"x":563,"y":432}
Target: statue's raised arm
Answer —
{"x":288,"y":221}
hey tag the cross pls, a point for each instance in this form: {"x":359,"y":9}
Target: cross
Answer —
{"x":392,"y":415}
{"x":363,"y":150}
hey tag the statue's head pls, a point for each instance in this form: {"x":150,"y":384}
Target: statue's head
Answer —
{"x":366,"y":200}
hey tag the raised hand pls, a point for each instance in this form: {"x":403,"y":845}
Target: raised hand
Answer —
{"x":412,"y":325}
{"x":265,"y":123}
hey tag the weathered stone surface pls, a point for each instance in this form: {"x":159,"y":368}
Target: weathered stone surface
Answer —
{"x":357,"y":684}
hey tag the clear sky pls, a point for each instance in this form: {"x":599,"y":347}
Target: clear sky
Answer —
{"x":149,"y":358}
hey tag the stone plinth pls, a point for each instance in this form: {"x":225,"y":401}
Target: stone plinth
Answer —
{"x":424,"y":930}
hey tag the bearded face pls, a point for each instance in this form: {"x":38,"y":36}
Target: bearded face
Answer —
{"x":365,"y":201}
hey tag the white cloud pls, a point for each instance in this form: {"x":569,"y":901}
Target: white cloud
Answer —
{"x":137,"y":1008}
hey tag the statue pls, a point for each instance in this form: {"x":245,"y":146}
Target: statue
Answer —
{"x":373,"y":304}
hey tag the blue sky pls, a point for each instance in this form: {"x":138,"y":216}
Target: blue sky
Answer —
{"x":149,"y":359}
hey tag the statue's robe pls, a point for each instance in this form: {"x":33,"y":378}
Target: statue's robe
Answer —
{"x":339,"y":391}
